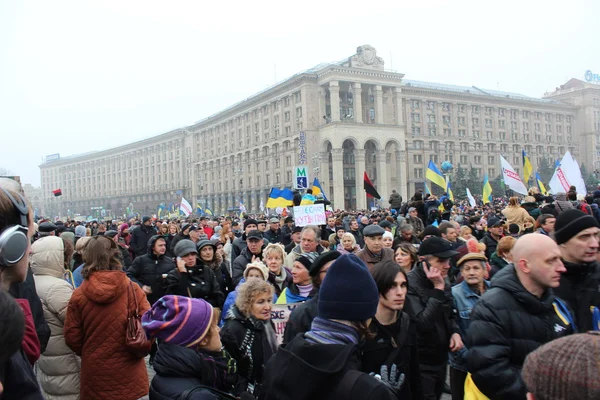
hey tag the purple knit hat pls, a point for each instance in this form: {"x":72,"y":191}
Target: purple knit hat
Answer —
{"x":178,"y":320}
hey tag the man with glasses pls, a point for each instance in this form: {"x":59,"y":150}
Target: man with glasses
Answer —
{"x":577,"y":235}
{"x":430,"y":305}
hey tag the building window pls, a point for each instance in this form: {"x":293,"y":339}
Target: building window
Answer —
{"x":415,"y":104}
{"x":286,"y":101}
{"x":488,"y":123}
{"x":489,"y":135}
{"x":418,"y":172}
{"x":416,"y":131}
{"x":476,"y":134}
{"x":432,"y":131}
{"x":445,"y":119}
{"x":513,"y":114}
{"x":461,"y":108}
{"x":298,"y":112}
{"x":298,"y":97}
{"x":501,"y":112}
{"x":417,"y":159}
{"x":477,"y":159}
{"x":431,"y":105}
{"x":462,"y":133}
{"x":461,"y":121}
{"x":434,"y":158}
{"x":475,"y":109}
{"x":266,"y":124}
{"x":547,"y":117}
{"x":475,"y":121}
{"x":501,"y":123}
{"x":418,"y":144}
{"x":525,"y":114}
{"x":447,"y":132}
{"x":372,"y":114}
{"x":415,"y":117}
{"x":464,"y":159}
{"x":502,"y":135}
{"x":446,"y":107}
{"x":286,"y":116}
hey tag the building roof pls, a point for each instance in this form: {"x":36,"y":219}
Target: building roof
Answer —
{"x":473,"y":90}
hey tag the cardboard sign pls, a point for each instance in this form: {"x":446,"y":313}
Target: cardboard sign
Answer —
{"x":313,"y":214}
{"x":280,"y":314}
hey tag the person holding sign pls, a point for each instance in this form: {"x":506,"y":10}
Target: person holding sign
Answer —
{"x":301,"y":288}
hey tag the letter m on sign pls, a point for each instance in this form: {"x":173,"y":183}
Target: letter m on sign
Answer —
{"x":301,"y":172}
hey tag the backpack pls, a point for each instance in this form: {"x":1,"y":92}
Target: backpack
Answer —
{"x":585,"y":208}
{"x":218,"y":394}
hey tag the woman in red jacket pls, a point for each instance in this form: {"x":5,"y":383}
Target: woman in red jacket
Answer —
{"x":96,"y":324}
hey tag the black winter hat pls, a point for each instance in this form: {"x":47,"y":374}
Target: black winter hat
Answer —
{"x":145,"y":219}
{"x":185,"y":247}
{"x":250,"y":221}
{"x":349,"y":292}
{"x":323,"y":259}
{"x":570,"y":222}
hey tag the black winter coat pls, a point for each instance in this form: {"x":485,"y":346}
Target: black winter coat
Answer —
{"x":490,"y":244}
{"x":306,"y":371}
{"x":287,"y":280}
{"x":376,"y":351}
{"x":180,"y":368}
{"x":580,"y":287}
{"x":301,"y":318}
{"x":175,"y":240}
{"x":18,"y":378}
{"x":273,"y":236}
{"x":140,"y":238}
{"x":432,"y":311}
{"x":248,"y":342}
{"x":238,"y":245}
{"x":221,"y":271}
{"x":239,"y":264}
{"x":507,"y":324}
{"x":149,"y":270}
{"x":199,"y":283}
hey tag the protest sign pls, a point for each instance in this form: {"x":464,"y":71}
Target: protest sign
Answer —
{"x":280,"y":314}
{"x":313,"y":214}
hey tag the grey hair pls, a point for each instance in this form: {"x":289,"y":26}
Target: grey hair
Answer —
{"x":406,"y":228}
{"x":313,"y":228}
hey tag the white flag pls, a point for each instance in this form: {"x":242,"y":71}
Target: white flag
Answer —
{"x":262,"y":205}
{"x":185,"y":207}
{"x":567,"y":174}
{"x":511,"y":178}
{"x":471,"y":198}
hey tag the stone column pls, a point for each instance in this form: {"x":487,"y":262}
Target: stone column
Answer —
{"x":398,"y":109}
{"x":378,"y":104}
{"x":401,"y":174}
{"x":358,"y":111}
{"x":334,"y":99}
{"x":324,"y":172}
{"x":382,"y":176}
{"x":322,"y":105}
{"x":360,"y":166}
{"x":338,"y":178}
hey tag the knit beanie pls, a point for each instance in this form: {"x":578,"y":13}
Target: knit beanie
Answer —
{"x":570,"y":222}
{"x":348,"y":292}
{"x":178,"y":320}
{"x":80,"y":231}
{"x":145,"y":219}
{"x":250,"y":221}
{"x":564,"y":369}
{"x":323,"y":259}
{"x":122,"y":227}
{"x":307,"y":259}
{"x":258,"y":265}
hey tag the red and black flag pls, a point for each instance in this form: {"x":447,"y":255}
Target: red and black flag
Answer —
{"x":57,"y":192}
{"x":370,"y":189}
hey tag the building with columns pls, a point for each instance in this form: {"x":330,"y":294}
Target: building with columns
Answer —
{"x":340,"y":120}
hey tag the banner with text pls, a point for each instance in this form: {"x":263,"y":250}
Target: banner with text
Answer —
{"x":280,"y":314}
{"x":313,"y":214}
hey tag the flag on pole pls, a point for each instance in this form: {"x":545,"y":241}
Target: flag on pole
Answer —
{"x":369,"y":188}
{"x":527,"y":168}
{"x":199,"y":209}
{"x":280,"y":198}
{"x":487,"y":190}
{"x":471,"y":198}
{"x":262,"y":205}
{"x":185,"y":207}
{"x":427,"y":190}
{"x":511,"y":178}
{"x":434,"y":175}
{"x":208,"y":212}
{"x":57,"y":192}
{"x":540,"y":185}
{"x":316,"y":188}
{"x":449,"y":190}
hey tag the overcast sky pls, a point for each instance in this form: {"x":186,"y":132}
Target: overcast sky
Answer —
{"x":77,"y":76}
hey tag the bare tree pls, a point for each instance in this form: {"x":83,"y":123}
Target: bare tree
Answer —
{"x":5,"y":172}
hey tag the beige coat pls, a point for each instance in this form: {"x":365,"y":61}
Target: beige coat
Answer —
{"x":59,"y":367}
{"x":517,"y":215}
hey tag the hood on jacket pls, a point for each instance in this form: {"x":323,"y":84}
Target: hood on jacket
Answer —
{"x":105,"y":287}
{"x":47,"y":256}
{"x":300,"y":362}
{"x":151,"y":243}
{"x":507,"y":279}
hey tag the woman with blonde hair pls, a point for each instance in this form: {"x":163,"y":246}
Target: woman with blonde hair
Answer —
{"x":248,"y":334}
{"x":466,"y":233}
{"x":96,"y":325}
{"x":279,"y":276}
{"x":515,"y":214}
{"x":348,"y":244}
{"x":227,"y":237}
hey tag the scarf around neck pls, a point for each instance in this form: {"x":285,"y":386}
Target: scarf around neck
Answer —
{"x":326,"y":331}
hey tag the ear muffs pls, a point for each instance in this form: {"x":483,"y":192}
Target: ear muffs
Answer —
{"x":14,"y":240}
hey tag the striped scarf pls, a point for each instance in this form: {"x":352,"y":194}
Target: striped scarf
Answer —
{"x":326,"y":331}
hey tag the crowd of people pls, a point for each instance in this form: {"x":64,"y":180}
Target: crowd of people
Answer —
{"x":504,"y":297}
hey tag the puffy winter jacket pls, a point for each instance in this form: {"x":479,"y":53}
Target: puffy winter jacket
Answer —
{"x":140,"y":237}
{"x":151,"y":270}
{"x":507,"y":324}
{"x":580,"y":287}
{"x":59,"y":366}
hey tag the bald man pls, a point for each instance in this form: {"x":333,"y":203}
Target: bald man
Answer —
{"x":515,"y":316}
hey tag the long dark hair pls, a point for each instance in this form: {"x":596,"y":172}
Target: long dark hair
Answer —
{"x":384,"y":275}
{"x":101,"y":254}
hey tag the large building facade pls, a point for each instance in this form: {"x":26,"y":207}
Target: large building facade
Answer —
{"x":339,"y":120}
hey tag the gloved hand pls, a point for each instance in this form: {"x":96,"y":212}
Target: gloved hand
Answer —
{"x":392,"y":379}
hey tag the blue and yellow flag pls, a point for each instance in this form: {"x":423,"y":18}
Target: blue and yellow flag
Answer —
{"x":527,"y":168}
{"x":208,"y":212}
{"x":449,"y":190}
{"x":434,"y":175}
{"x":487,"y":190}
{"x":199,"y":209}
{"x":316,"y":188}
{"x":540,"y":185}
{"x":280,"y":198}
{"x":427,"y":190}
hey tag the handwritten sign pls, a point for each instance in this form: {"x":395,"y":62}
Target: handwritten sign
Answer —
{"x":313,"y":214}
{"x":280,"y":314}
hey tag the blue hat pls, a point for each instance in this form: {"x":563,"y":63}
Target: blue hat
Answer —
{"x":348,"y":292}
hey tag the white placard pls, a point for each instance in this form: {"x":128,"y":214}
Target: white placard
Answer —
{"x":313,"y":214}
{"x":280,"y":314}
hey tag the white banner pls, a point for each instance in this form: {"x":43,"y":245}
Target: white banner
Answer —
{"x":567,"y":174}
{"x":185,"y":207}
{"x":280,"y":314}
{"x":313,"y":214}
{"x":511,"y":178}
{"x":471,"y":198}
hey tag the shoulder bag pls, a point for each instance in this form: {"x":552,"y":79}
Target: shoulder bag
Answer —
{"x":135,"y":337}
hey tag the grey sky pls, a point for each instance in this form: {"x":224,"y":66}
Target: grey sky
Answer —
{"x":77,"y":76}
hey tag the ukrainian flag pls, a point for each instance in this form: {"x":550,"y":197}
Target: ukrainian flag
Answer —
{"x":487,"y":190}
{"x":540,"y":184}
{"x":449,"y":191}
{"x":435,"y":176}
{"x":199,"y":209}
{"x":280,"y":198}
{"x":316,"y":188}
{"x":208,"y":212}
{"x":427,"y":190}
{"x":527,"y":168}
